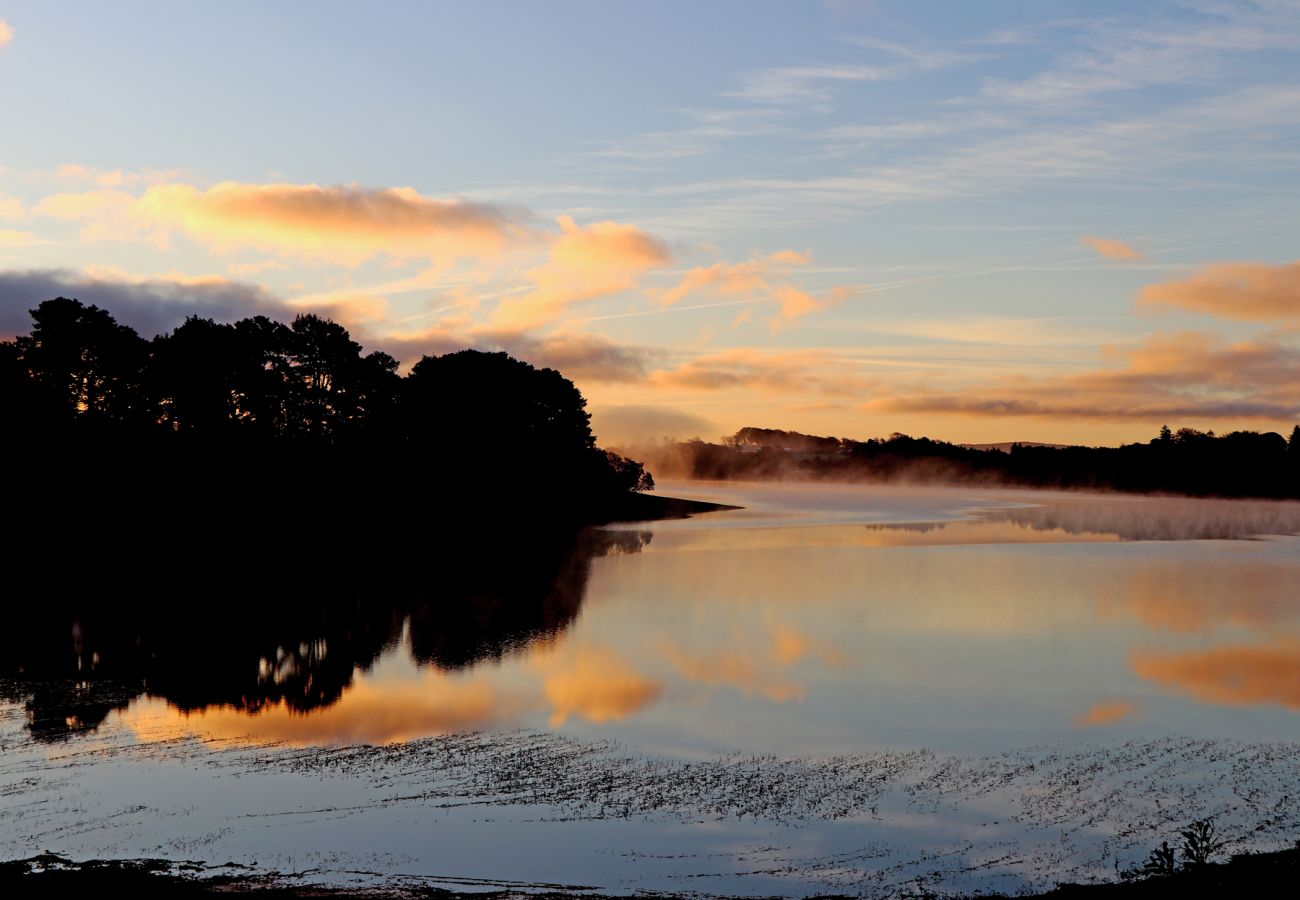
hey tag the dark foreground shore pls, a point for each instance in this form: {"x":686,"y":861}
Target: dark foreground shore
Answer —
{"x":650,"y":507}
{"x":49,"y":875}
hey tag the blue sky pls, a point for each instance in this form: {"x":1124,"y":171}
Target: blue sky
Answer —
{"x":1036,"y":221}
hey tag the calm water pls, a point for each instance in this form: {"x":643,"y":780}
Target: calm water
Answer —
{"x":829,"y":619}
{"x":816,"y":622}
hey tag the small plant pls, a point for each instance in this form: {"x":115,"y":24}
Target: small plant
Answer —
{"x":1200,"y":842}
{"x":1161,"y":861}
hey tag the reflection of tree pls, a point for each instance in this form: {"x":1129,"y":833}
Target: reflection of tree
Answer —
{"x":1130,"y":519}
{"x":1156,"y":519}
{"x":290,"y":636}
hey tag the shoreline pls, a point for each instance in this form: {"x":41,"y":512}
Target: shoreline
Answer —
{"x":49,"y":874}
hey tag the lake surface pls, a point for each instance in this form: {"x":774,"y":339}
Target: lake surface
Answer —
{"x":847,"y":688}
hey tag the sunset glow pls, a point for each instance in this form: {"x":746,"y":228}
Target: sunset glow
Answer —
{"x":846,"y":219}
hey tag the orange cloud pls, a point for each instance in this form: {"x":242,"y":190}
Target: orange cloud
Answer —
{"x":1106,"y":714}
{"x":758,"y":278}
{"x":596,"y":685}
{"x":1233,"y":290}
{"x":1249,"y":675}
{"x":585,"y":263}
{"x":720,"y":278}
{"x":1111,"y":248}
{"x":1178,"y":375}
{"x":791,"y":258}
{"x":578,"y":355}
{"x":114,"y":178}
{"x":6,"y":32}
{"x":343,"y":223}
{"x":11,"y":208}
{"x":105,"y":214}
{"x":353,"y":311}
{"x":807,"y":370}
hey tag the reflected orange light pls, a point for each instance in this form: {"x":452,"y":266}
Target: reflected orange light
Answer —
{"x":758,"y":668}
{"x":1106,"y":714}
{"x":594,"y":684}
{"x":1231,"y":676}
{"x":369,"y":713}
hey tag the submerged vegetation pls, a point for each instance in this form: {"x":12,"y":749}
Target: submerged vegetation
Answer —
{"x":1240,"y":464}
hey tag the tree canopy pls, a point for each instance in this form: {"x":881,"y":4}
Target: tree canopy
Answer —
{"x":1239,"y":464}
{"x":259,"y":395}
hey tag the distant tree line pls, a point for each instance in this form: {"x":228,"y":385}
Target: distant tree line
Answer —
{"x":1240,"y":464}
{"x":263,"y":417}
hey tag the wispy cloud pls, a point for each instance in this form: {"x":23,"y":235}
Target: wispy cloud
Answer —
{"x":814,"y":84}
{"x":749,"y":368}
{"x":1130,"y":53}
{"x":1141,"y":151}
{"x":757,"y":279}
{"x":1112,"y":248}
{"x":343,"y":224}
{"x":806,"y":84}
{"x":1232,"y":290}
{"x":1177,"y":376}
{"x":586,"y":262}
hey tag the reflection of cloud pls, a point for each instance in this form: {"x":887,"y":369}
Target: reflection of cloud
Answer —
{"x":1170,"y":597}
{"x":1233,"y":290}
{"x":1106,"y":714}
{"x":6,"y":32}
{"x":1156,"y":518}
{"x":593,"y":684}
{"x":758,"y":667}
{"x":383,"y":712}
{"x":1243,"y":675}
{"x":1111,"y":248}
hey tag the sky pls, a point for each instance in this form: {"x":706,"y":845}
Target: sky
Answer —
{"x":1040,"y":221}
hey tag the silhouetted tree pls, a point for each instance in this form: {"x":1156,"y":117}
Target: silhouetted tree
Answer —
{"x":81,"y":356}
{"x":1243,"y":463}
